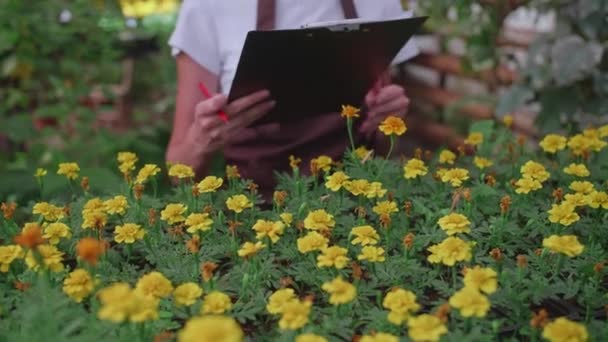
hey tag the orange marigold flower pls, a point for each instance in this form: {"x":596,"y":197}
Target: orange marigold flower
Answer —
{"x":393,"y":125}
{"x":349,"y":111}
{"x":8,"y":209}
{"x":30,"y":237}
{"x":207,"y":269}
{"x":89,"y":250}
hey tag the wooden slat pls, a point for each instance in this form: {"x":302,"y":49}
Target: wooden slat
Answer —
{"x":417,"y":91}
{"x":451,"y":64}
{"x":433,"y":133}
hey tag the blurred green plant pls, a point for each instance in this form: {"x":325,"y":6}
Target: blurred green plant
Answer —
{"x":566,"y":71}
{"x":53,"y":53}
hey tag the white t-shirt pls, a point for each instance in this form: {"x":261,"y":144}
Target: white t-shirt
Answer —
{"x":212,"y":32}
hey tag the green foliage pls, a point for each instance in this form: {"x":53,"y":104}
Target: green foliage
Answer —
{"x":566,"y":286}
{"x":48,"y":69}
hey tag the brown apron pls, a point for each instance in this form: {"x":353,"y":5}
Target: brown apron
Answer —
{"x":261,"y":150}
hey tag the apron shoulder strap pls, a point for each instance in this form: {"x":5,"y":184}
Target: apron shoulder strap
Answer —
{"x":266,"y":14}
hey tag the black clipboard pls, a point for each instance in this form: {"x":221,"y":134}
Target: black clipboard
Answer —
{"x":316,"y":70}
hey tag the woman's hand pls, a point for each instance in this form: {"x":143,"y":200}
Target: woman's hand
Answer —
{"x":210,"y":133}
{"x":389,"y":100}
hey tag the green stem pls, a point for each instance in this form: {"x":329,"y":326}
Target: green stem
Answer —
{"x":349,"y":128}
{"x":392,"y":145}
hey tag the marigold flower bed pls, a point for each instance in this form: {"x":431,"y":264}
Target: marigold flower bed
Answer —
{"x":504,"y":244}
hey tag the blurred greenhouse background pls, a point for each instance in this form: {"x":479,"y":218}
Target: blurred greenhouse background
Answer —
{"x":81,"y":80}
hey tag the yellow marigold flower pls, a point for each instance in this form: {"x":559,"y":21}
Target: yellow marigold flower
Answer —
{"x":272,"y":229}
{"x":598,"y":199}
{"x":526,"y":185}
{"x":455,"y":223}
{"x":322,"y":162}
{"x":340,"y":291}
{"x":565,"y":244}
{"x":127,"y":158}
{"x":40,"y":172}
{"x":481,"y":278}
{"x":278,"y":299}
{"x":198,"y":222}
{"x":309,"y":337}
{"x":565,"y":330}
{"x":447,"y":157}
{"x":181,"y":171}
{"x":414,"y":168}
{"x":334,"y":256}
{"x":375,"y":190}
{"x":51,"y":258}
{"x":450,"y":251}
{"x":372,"y":254}
{"x":232,"y":172}
{"x":362,"y":152}
{"x":426,"y":328}
{"x":534,"y":170}
{"x":401,"y":303}
{"x":116,"y":302}
{"x":49,"y":212}
{"x":94,"y":204}
{"x":392,"y":125}
{"x":173,"y":213}
{"x":365,"y":235}
{"x":470,"y":302}
{"x":186,"y":294}
{"x":250,"y":248}
{"x":474,"y":139}
{"x":379,"y":337}
{"x":117,"y":205}
{"x":211,"y":329}
{"x":287,"y":218}
{"x":579,"y":144}
{"x":144,"y":308}
{"x":336,"y":180}
{"x":294,"y":315}
{"x":216,"y":303}
{"x":482,"y":163}
{"x":357,"y":187}
{"x":210,"y":184}
{"x":319,"y":220}
{"x":602,"y":132}
{"x":238,"y":203}
{"x":582,"y":187}
{"x":154,"y":284}
{"x":128,"y":233}
{"x":78,"y":284}
{"x":577,"y":199}
{"x":8,"y":254}
{"x":563,"y":214}
{"x":53,"y":232}
{"x":69,"y":170}
{"x":385,"y":208}
{"x":507,"y":120}
{"x":552,"y":143}
{"x":313,"y":241}
{"x":294,"y":162}
{"x":349,"y":112}
{"x":579,"y":170}
{"x":147,"y":171}
{"x":94,"y":220}
{"x":455,"y":176}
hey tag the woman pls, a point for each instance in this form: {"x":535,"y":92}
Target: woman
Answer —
{"x":207,"y":43}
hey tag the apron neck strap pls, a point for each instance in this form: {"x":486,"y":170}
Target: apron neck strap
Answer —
{"x":266,"y":15}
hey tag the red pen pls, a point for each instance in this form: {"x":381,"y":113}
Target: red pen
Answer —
{"x":207,"y":94}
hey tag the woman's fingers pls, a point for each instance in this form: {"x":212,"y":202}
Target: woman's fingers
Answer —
{"x":210,"y":106}
{"x":249,"y":116}
{"x":389,"y":93}
{"x":238,"y":106}
{"x":397,"y":106}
